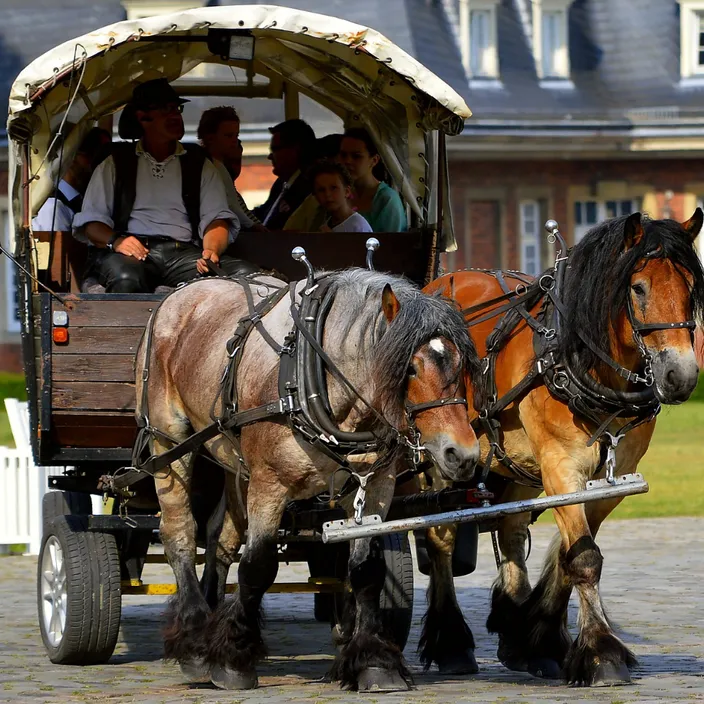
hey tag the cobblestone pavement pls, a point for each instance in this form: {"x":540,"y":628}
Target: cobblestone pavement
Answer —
{"x":652,"y":586}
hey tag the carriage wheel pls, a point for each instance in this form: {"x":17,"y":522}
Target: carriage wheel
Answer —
{"x":78,"y":593}
{"x":396,"y":599}
{"x":62,"y":503}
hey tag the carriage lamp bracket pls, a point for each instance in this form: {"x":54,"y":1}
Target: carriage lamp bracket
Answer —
{"x":372,"y":245}
{"x":610,"y":463}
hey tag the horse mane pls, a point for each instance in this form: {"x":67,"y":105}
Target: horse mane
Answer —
{"x":421,"y":318}
{"x":598,"y":277}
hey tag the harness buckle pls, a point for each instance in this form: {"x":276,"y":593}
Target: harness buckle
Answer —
{"x":611,"y":455}
{"x":145,"y":374}
{"x":485,"y":365}
{"x":361,"y":495}
{"x":235,"y":350}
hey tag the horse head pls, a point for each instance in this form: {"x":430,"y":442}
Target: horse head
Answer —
{"x":664,"y":296}
{"x":434,"y":380}
{"x":635,"y":286}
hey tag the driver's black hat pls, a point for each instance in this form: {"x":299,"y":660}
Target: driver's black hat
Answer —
{"x":155,"y":94}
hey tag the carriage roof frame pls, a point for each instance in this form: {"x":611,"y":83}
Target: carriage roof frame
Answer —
{"x":352,"y":70}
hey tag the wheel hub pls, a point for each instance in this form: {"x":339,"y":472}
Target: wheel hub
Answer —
{"x":53,"y":591}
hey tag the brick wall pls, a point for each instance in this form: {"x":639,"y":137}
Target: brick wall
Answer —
{"x":507,"y":180}
{"x":10,"y":357}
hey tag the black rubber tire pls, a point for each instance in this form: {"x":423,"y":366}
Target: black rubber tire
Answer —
{"x":93,"y":594}
{"x":396,"y":600}
{"x":64,"y":503}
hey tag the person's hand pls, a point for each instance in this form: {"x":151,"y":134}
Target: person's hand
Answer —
{"x":208,"y":254}
{"x":325,"y":227}
{"x":258,"y":227}
{"x":130,"y":247}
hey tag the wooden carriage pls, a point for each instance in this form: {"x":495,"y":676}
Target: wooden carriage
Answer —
{"x":79,"y":348}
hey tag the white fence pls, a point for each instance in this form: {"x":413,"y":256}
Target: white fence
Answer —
{"x":23,"y":485}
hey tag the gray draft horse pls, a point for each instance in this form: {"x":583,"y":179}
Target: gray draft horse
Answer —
{"x":396,"y":345}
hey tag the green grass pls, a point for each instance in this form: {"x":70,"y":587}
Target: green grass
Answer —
{"x":6,"y":438}
{"x":673,"y":466}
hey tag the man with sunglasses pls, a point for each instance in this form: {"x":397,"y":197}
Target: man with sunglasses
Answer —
{"x":156,"y":211}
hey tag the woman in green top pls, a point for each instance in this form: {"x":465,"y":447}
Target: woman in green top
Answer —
{"x":378,"y":203}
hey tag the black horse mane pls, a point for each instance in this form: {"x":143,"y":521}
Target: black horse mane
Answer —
{"x":598,"y":279}
{"x":421,"y":318}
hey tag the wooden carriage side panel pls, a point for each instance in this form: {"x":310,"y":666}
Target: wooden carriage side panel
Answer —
{"x":407,"y":253}
{"x":92,"y":375}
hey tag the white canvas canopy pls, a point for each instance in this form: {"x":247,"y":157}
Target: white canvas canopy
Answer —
{"x":352,"y":70}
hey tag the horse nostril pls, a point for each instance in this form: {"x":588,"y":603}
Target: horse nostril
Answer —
{"x":452,"y":458}
{"x":671,"y":378}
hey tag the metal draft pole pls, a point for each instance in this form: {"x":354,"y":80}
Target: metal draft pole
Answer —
{"x":625,"y":485}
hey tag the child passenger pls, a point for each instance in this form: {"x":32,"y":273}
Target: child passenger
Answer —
{"x":332,"y":187}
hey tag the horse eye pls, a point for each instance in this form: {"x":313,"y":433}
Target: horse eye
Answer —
{"x":411,"y":370}
{"x":638,"y":289}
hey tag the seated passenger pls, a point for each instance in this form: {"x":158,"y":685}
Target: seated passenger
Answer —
{"x":380,"y":204}
{"x":156,"y":211}
{"x":58,"y":211}
{"x":332,"y":188}
{"x":310,"y":215}
{"x":219,"y":133}
{"x":292,"y":148}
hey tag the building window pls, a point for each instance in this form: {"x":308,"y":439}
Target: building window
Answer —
{"x":478,"y":38}
{"x":12,"y":315}
{"x":550,"y":39}
{"x":588,"y":213}
{"x":529,"y":211}
{"x":480,"y":43}
{"x":692,"y":39}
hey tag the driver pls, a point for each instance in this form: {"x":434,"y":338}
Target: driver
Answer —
{"x":156,"y":211}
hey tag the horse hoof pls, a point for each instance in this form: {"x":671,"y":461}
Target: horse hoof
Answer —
{"x":459,"y":664}
{"x":544,"y":667}
{"x":377,"y":679}
{"x":609,"y":674}
{"x":226,"y":678}
{"x":196,"y":670}
{"x":515,"y":664}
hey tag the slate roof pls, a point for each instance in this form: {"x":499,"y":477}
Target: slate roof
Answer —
{"x":624,"y":56}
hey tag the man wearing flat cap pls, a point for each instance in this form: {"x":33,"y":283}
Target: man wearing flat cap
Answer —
{"x":156,"y":211}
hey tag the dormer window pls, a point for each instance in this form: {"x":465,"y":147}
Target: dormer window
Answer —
{"x":550,"y":39}
{"x":478,"y":39}
{"x":692,"y":39}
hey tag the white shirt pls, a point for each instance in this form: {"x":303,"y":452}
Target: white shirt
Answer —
{"x":354,"y":223}
{"x":234,"y":199}
{"x":47,"y":221}
{"x":158,"y":206}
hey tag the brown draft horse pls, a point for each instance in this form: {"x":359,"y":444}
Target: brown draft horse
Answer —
{"x":648,"y":268}
{"x":396,"y":346}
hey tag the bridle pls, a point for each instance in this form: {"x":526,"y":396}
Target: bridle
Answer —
{"x":640,"y":329}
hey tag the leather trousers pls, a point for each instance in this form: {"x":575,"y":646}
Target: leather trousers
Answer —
{"x":168,"y":263}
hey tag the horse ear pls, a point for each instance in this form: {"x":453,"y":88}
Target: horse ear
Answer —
{"x":389,"y":303}
{"x":632,"y":230}
{"x":693,"y":226}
